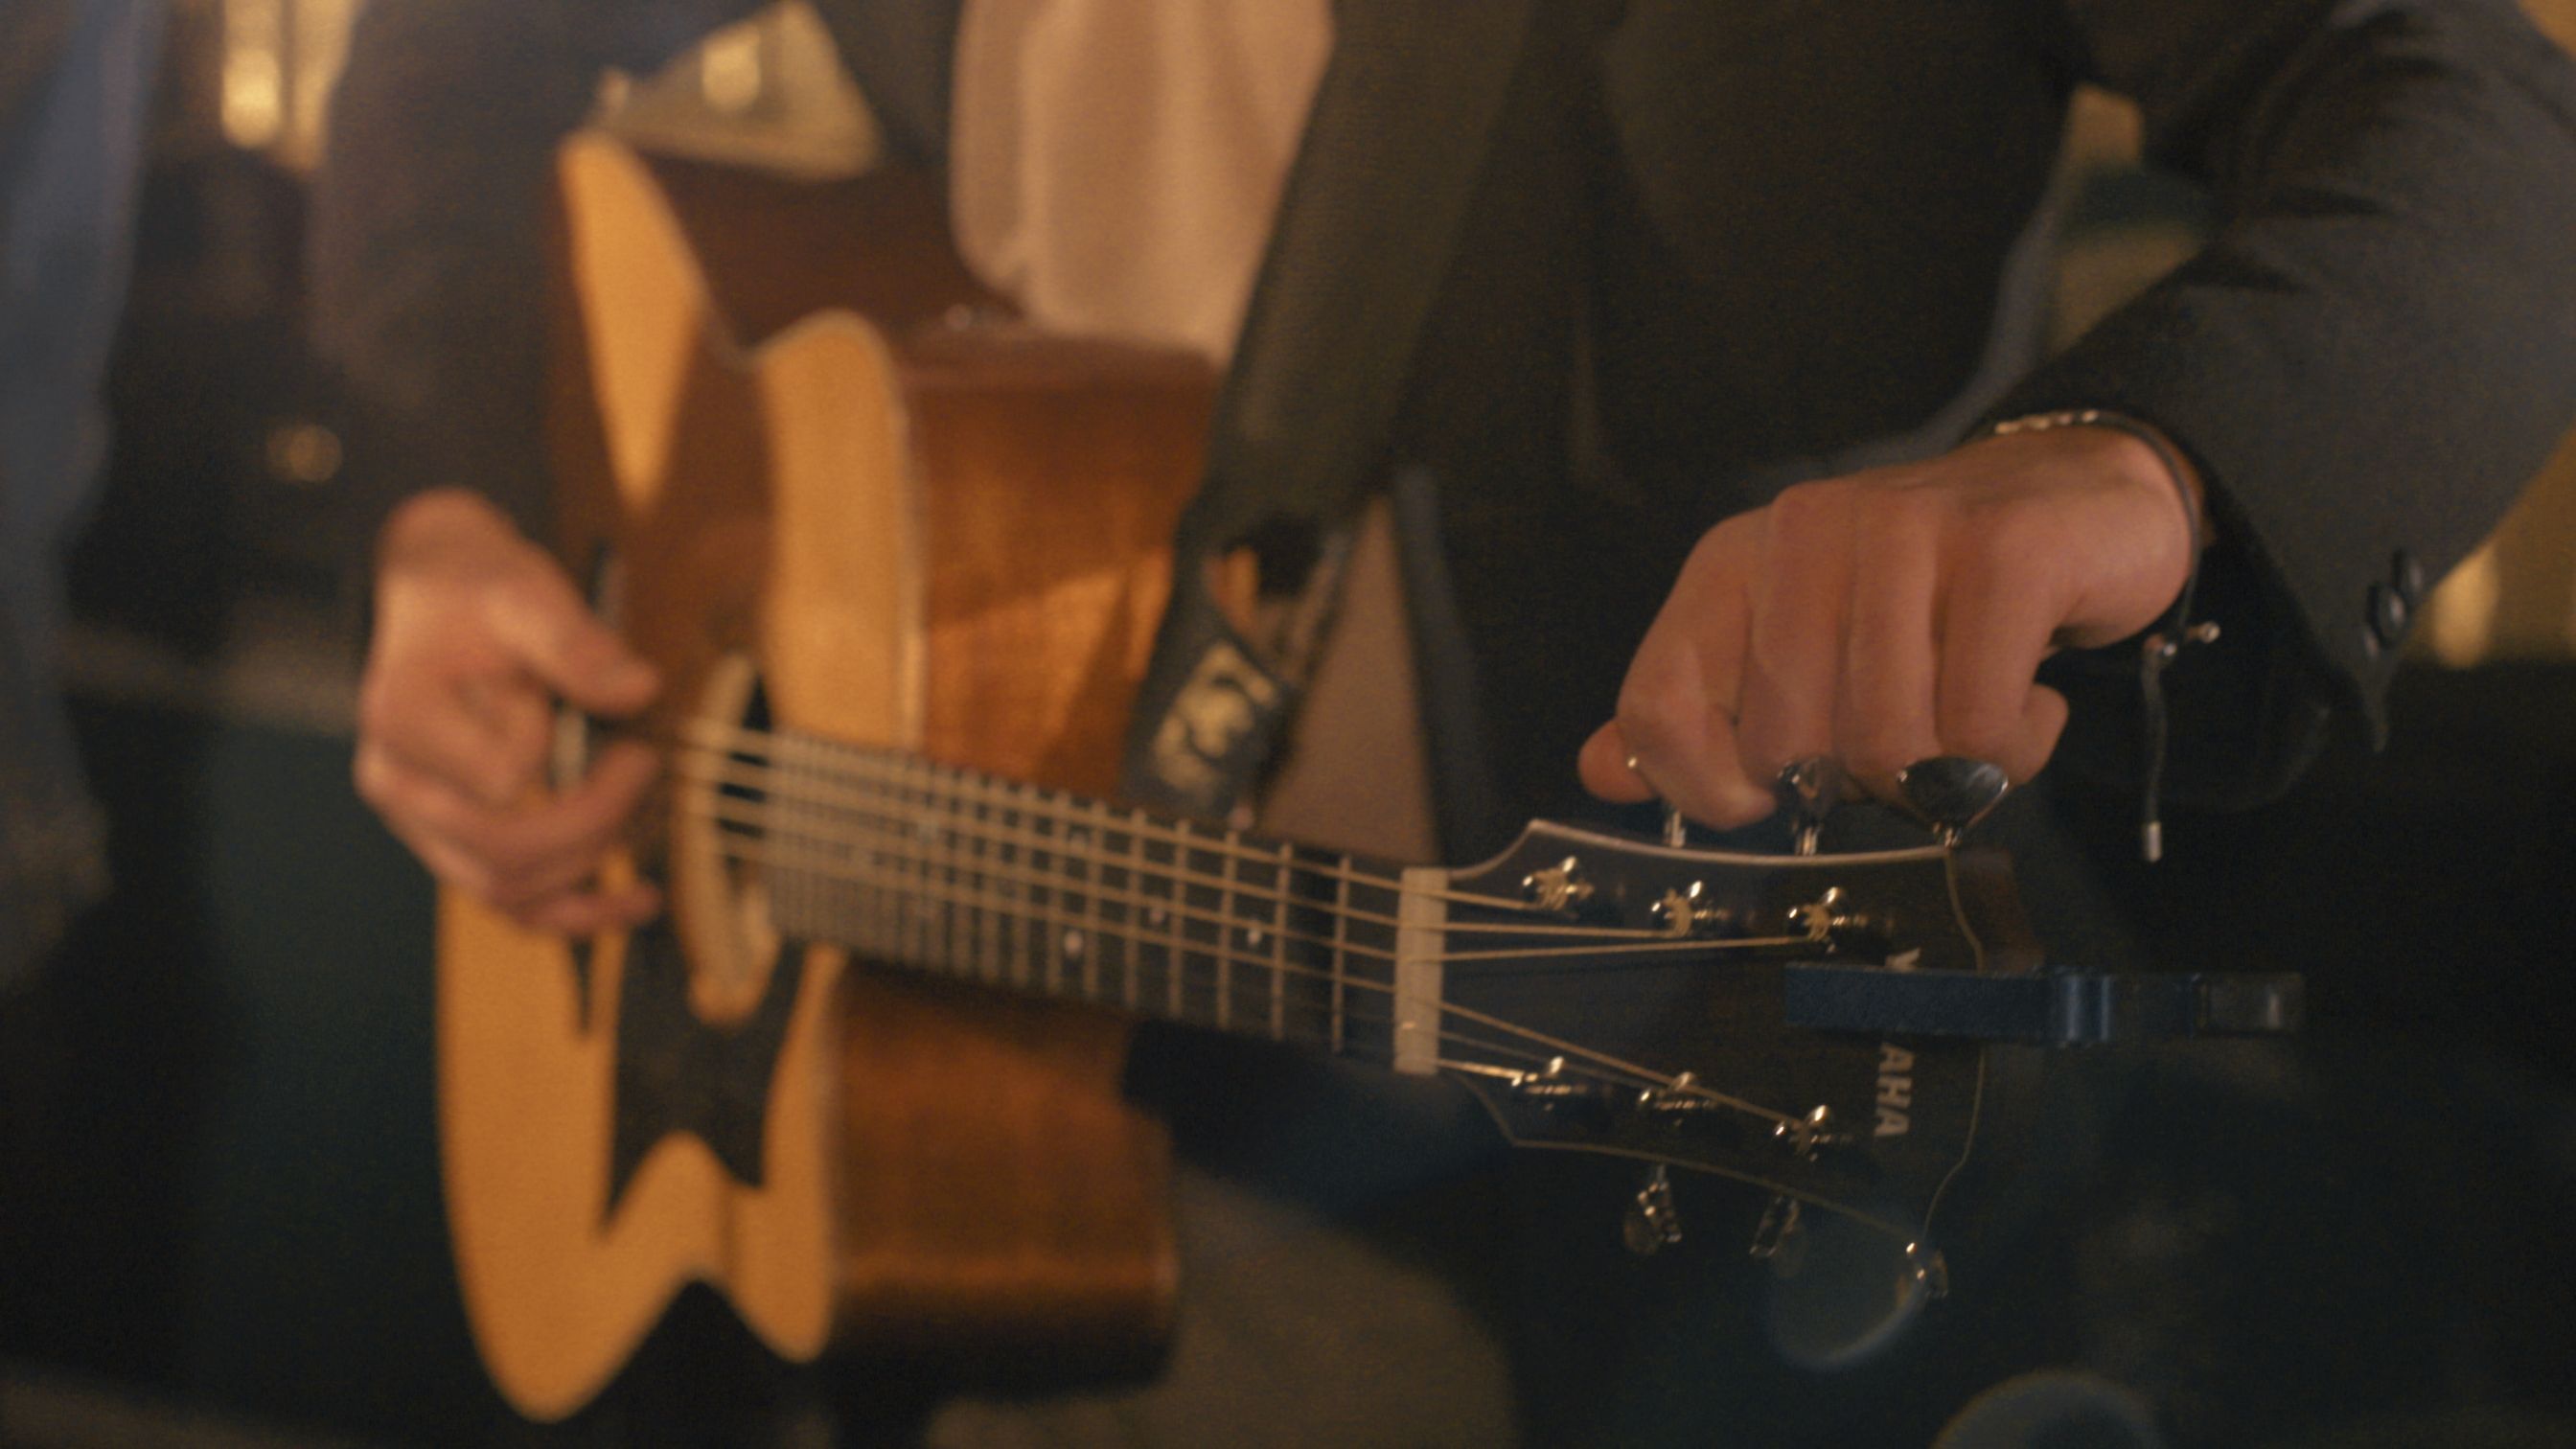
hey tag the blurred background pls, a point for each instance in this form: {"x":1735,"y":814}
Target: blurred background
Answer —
{"x":224,"y":1219}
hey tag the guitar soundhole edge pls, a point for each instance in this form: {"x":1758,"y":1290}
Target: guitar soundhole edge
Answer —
{"x":720,"y":839}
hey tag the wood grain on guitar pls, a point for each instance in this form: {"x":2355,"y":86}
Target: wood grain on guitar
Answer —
{"x":945,"y":538}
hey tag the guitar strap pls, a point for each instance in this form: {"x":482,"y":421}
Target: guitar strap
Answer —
{"x":1368,"y":223}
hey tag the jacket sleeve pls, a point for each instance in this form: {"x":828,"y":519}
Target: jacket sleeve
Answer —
{"x":428,"y":242}
{"x":2373,"y":353}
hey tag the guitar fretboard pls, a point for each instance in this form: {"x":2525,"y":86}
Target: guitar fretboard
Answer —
{"x":944,"y":870}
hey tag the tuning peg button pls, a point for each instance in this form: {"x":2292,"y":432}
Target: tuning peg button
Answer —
{"x":1951,"y":793}
{"x":1652,"y":1222}
{"x":1780,"y":1238}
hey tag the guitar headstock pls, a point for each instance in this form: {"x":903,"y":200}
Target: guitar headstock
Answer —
{"x":1606,"y":993}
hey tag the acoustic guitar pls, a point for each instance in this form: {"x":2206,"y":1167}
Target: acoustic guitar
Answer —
{"x":862,"y":1079}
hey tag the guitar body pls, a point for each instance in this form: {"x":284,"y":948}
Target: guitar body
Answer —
{"x":952,"y":542}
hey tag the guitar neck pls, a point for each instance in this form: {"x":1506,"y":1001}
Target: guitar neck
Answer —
{"x":947,"y":871}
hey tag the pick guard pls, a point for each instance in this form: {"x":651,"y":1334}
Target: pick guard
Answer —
{"x":678,"y":1073}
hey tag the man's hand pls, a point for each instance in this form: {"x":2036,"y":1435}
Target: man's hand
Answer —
{"x":478,"y":633}
{"x":1893,"y":615}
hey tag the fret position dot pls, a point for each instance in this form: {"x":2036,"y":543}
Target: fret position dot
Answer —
{"x":1073,"y":944}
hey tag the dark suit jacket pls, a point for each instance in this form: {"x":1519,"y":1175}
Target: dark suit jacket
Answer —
{"x":427,"y":242}
{"x":1701,"y":251}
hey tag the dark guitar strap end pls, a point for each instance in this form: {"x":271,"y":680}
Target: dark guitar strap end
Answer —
{"x":1367,"y":226}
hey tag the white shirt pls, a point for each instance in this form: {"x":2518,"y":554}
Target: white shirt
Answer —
{"x":1115,"y":165}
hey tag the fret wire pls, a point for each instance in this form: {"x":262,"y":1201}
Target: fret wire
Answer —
{"x":862,"y":806}
{"x":1091,"y":947}
{"x":952,"y":866}
{"x":864,"y":774}
{"x":1621,"y":943}
{"x":871,"y":901}
{"x":997,"y":924}
{"x":924,"y":846}
{"x":900,"y":926}
{"x":1176,"y":960}
{"x":1007,"y":943}
{"x":1155,"y":921}
{"x":965,"y":943}
{"x":1225,"y":909}
{"x":789,"y":858}
{"x":1037,"y":864}
{"x":1115,"y":913}
{"x":1344,"y":983}
{"x":925,"y":806}
{"x":1383,"y":878}
{"x":1215,"y":975}
{"x":943,"y":861}
{"x":1177,"y":990}
{"x":993,"y":895}
{"x":916,"y":857}
{"x":861,"y":765}
{"x":1129,"y":986}
{"x":953,"y":922}
{"x":890,"y":910}
{"x":1279,"y":945}
{"x":861,"y":812}
{"x":982,"y":923}
{"x":871,"y":905}
{"x":897,"y":857}
{"x":1014,"y":944}
{"x":1341,"y":956}
{"x":965,"y":940}
{"x":1044,"y":962}
{"x":886,"y":831}
{"x":1577,"y":1058}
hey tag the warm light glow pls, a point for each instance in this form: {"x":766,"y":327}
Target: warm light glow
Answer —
{"x":2461,"y":629}
{"x":320,"y":37}
{"x":254,"y":103}
{"x":732,"y":73}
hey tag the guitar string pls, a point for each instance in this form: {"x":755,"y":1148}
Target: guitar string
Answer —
{"x":895,"y":775}
{"x":895,"y":837}
{"x":936,"y":820}
{"x":958,"y":829}
{"x":914,"y":890}
{"x":1556,"y":1058}
{"x":1600,"y":1065}
{"x":1176,"y":905}
{"x":869,"y":774}
{"x":872,"y":777}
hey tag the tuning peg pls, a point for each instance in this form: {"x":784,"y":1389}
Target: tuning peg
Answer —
{"x":1809,"y":789}
{"x":1952,"y":792}
{"x":1676,"y":829}
{"x":1780,"y":1238}
{"x":1652,"y":1223}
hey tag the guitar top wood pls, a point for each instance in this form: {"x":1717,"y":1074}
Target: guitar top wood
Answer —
{"x":950,"y":539}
